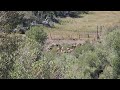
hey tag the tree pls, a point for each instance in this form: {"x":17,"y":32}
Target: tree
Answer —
{"x":53,"y":15}
{"x":10,"y":20}
{"x":37,"y":34}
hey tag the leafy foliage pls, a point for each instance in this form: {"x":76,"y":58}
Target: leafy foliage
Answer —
{"x":28,"y":53}
{"x":8,"y":47}
{"x":37,"y":34}
{"x":22,"y":56}
{"x":84,"y":48}
{"x":10,"y":20}
{"x":113,"y":43}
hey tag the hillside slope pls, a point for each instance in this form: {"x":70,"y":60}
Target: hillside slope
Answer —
{"x":79,"y":28}
{"x":88,"y":22}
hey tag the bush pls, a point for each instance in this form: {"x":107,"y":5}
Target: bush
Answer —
{"x":8,"y":52}
{"x":107,"y":73}
{"x":82,"y":49}
{"x":37,"y":34}
{"x":112,"y":42}
{"x":29,"y":52}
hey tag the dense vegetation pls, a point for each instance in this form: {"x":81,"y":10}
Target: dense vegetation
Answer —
{"x":22,"y":56}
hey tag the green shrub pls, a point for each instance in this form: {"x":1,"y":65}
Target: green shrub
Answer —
{"x":82,"y":49}
{"x":37,"y":34}
{"x":8,"y":52}
{"x":107,"y":73}
{"x":29,"y":52}
{"x":112,"y":42}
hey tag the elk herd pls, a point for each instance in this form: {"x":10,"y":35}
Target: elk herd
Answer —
{"x":62,"y":49}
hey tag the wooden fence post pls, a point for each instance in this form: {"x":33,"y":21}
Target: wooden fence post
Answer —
{"x":97,"y":28}
{"x":62,"y":37}
{"x":97,"y":33}
{"x":69,"y":37}
{"x":101,"y":30}
{"x":88,"y":35}
{"x":50,"y":36}
{"x":79,"y":36}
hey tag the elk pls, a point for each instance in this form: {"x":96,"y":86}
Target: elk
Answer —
{"x":61,"y":50}
{"x":70,"y":50}
{"x":74,"y":46}
{"x":59,"y":47}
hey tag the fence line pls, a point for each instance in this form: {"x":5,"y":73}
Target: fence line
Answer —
{"x":85,"y":34}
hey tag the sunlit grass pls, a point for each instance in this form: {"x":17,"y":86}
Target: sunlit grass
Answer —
{"x":87,"y":23}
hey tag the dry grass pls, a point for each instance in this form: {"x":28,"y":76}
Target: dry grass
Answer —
{"x":88,"y":23}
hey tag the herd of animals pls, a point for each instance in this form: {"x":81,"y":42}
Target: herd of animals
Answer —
{"x":62,"y":49}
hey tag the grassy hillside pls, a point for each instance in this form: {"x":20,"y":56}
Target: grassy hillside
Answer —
{"x":87,"y":23}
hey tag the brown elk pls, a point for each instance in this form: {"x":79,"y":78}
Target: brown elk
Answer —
{"x":74,"y":46}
